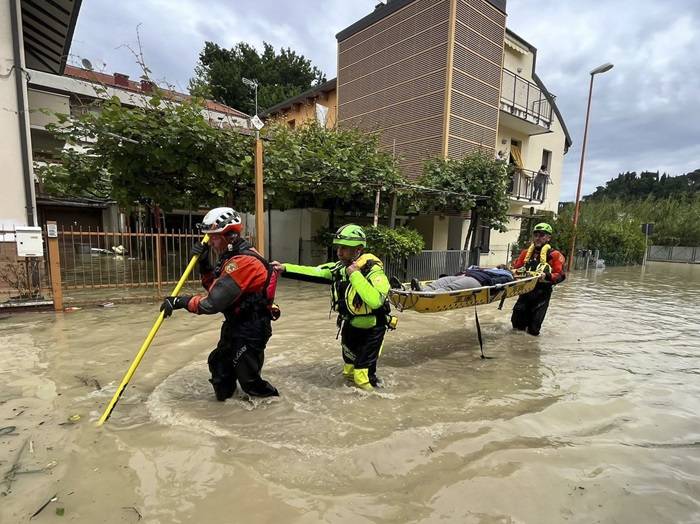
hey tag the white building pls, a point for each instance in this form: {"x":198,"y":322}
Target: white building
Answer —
{"x":32,"y":38}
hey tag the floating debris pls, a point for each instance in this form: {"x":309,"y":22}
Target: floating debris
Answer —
{"x":43,"y":507}
{"x":8,"y":430}
{"x":132,"y":508}
{"x":73,"y":419}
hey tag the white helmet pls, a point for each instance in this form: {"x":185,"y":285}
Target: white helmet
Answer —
{"x":222,"y":220}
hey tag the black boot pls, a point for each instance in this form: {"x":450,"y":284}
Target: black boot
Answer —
{"x":395,"y":283}
{"x":415,"y":285}
{"x":223,"y":389}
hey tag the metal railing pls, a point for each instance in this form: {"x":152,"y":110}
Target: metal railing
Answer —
{"x":428,"y":265}
{"x":525,"y":100}
{"x":93,"y":259}
{"x":527,"y":185}
{"x":688,"y":255}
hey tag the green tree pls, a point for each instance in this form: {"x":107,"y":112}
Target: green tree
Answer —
{"x":164,"y":153}
{"x":280,"y":75}
{"x":311,"y":166}
{"x":475,"y":183}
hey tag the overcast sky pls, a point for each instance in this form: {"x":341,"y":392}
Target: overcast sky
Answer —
{"x":646,"y":113}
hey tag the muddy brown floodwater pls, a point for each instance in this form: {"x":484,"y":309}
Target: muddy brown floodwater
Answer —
{"x":595,"y":421}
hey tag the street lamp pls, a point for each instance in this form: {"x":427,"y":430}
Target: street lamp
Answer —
{"x":259,"y":188}
{"x":598,"y":70}
{"x":253,"y":84}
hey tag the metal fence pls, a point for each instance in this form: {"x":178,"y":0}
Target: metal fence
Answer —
{"x":428,"y":265}
{"x":689,"y":255}
{"x":93,"y":259}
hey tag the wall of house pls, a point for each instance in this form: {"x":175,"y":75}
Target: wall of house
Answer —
{"x":292,"y":231}
{"x":12,"y":197}
{"x":514,"y":60}
{"x":475,"y":78}
{"x":42,"y":104}
{"x":554,"y":142}
{"x":392,"y":79}
{"x":435,"y":230}
{"x":301,"y":113}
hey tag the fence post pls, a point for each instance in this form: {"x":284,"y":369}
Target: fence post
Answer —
{"x":159,"y":279}
{"x":54,"y":265}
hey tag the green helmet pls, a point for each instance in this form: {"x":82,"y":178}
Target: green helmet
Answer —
{"x":543,"y":226}
{"x":350,"y":235}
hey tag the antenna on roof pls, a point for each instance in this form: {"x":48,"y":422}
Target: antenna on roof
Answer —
{"x":86,"y":64}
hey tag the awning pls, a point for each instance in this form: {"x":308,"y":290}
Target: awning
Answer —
{"x":515,"y":47}
{"x":47,"y":27}
{"x":517,"y":156}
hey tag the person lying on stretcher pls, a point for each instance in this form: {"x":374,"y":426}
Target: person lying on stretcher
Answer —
{"x":472,"y":277}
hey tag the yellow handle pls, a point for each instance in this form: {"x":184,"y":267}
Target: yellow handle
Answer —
{"x":147,"y":343}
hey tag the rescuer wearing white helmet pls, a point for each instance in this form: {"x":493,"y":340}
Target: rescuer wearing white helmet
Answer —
{"x":241,"y":286}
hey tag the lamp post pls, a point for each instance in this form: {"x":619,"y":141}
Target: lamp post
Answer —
{"x":253,"y":84}
{"x":259,"y":199}
{"x":598,"y":70}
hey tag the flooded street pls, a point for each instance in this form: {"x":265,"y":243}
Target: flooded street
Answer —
{"x":594,"y":421}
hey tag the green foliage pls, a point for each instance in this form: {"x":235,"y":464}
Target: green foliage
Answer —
{"x":614,"y":226}
{"x":318,"y":167}
{"x":164,"y":153}
{"x":280,"y":76}
{"x":630,"y":186}
{"x":397,"y":243}
{"x":167,"y":154}
{"x":475,"y":182}
{"x":382,"y":241}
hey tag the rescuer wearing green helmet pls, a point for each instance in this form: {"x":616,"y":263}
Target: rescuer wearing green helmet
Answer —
{"x":359,"y":291}
{"x":531,"y":308}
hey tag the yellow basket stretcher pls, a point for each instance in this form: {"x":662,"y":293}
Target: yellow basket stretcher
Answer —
{"x":435,"y":301}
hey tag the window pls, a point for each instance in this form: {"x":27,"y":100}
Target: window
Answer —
{"x":292,"y":123}
{"x":546,"y":160}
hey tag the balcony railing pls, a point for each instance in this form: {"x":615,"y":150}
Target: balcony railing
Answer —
{"x":524,"y":99}
{"x":526,"y":185}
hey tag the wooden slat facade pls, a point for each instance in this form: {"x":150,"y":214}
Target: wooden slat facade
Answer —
{"x":426,"y":77}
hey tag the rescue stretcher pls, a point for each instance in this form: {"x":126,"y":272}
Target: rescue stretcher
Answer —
{"x":436,"y":301}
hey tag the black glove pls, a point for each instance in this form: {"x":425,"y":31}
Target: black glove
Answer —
{"x":200,"y":249}
{"x":203,"y":251}
{"x":170,"y":304}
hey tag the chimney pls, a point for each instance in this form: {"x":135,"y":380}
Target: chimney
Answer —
{"x":147,"y":86}
{"x":121,"y":80}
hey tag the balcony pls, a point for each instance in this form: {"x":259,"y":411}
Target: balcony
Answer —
{"x":524,"y":106}
{"x":524,"y":186}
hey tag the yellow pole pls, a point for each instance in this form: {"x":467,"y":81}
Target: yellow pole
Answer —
{"x":147,"y":343}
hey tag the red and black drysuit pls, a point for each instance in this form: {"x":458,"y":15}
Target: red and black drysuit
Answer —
{"x":238,"y":288}
{"x":530,"y":309}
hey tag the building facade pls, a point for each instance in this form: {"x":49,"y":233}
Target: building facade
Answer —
{"x":445,"y":78}
{"x":35,"y":38}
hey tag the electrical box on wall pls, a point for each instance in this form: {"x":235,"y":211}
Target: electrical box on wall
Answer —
{"x":29,"y":241}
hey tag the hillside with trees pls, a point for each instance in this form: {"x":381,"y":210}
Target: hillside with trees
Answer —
{"x":611,"y":217}
{"x":648,"y":184}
